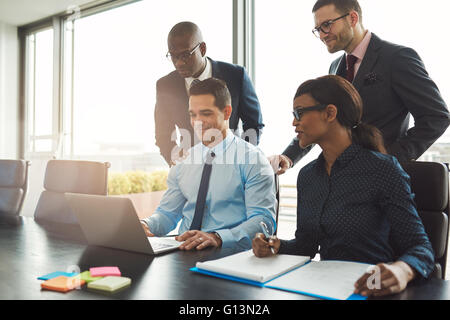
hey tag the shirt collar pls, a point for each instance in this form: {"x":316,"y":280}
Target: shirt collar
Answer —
{"x":344,"y":158}
{"x":348,"y":154}
{"x":207,"y":73}
{"x":220,"y":148}
{"x":361,"y":48}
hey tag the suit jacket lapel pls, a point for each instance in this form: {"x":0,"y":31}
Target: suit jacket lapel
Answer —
{"x":180,"y":86}
{"x":369,"y":60}
{"x":216,"y":73}
{"x":339,"y":67}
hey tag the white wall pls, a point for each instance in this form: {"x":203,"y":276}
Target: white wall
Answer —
{"x":9,"y":91}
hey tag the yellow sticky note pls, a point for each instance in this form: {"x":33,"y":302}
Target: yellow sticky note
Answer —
{"x":110,"y":283}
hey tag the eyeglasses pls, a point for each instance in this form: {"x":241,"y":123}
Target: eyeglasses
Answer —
{"x":326,"y":26}
{"x":183,"y":56}
{"x":298,"y":112}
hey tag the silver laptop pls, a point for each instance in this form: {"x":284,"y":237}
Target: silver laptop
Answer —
{"x":113,"y":222}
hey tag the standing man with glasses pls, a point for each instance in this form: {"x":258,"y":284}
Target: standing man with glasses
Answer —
{"x":390,"y":78}
{"x":187,"y":51}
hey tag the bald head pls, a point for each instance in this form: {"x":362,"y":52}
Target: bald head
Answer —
{"x":187,"y":49}
{"x":186,"y":29}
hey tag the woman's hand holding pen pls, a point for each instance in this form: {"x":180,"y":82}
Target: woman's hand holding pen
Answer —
{"x":265,"y":247}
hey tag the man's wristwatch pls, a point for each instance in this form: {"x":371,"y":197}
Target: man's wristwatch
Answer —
{"x":218,"y":236}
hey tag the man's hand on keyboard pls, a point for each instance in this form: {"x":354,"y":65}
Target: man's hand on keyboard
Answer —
{"x":199,"y":240}
{"x":147,"y":230}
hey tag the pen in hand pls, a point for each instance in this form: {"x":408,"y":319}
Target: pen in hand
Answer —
{"x":267,"y":234}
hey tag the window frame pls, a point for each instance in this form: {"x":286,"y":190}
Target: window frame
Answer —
{"x":243,"y":54}
{"x":28,"y":137}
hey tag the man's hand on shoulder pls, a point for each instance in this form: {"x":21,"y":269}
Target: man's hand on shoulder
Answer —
{"x":280,"y":163}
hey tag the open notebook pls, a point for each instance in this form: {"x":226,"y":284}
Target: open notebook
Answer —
{"x":323,"y":279}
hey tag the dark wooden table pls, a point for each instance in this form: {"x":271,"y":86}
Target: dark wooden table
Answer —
{"x":29,"y":250}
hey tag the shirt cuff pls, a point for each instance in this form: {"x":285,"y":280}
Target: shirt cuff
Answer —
{"x":227,"y":238}
{"x":282,"y":249}
{"x":421,"y":268}
{"x":151,"y":226}
{"x":291,"y":163}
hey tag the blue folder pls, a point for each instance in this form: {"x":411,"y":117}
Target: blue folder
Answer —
{"x":267,"y":284}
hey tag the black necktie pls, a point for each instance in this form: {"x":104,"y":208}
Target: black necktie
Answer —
{"x":202,"y":191}
{"x":193,"y":83}
{"x":351,"y":60}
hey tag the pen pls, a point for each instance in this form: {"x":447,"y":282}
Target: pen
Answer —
{"x":267,"y":234}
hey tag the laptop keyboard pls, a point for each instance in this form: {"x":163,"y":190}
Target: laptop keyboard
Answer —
{"x":158,"y":245}
{"x":163,"y":243}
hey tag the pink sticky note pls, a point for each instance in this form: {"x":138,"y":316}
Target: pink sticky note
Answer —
{"x":105,"y":271}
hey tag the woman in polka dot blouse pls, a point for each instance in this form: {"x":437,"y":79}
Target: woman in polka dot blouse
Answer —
{"x":354,"y":200}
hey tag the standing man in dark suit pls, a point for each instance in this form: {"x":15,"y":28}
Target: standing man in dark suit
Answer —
{"x":187,"y":51}
{"x":390,"y":78}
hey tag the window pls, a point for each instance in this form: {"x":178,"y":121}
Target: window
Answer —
{"x":98,"y":103}
{"x":118,"y":55}
{"x":90,"y":81}
{"x":39,"y":89}
{"x":287,"y":54}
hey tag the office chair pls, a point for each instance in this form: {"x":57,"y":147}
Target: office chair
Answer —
{"x":13,"y":186}
{"x":277,"y":196}
{"x":430,"y":184}
{"x":74,"y":176}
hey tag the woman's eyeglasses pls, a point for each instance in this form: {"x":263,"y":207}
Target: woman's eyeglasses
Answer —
{"x":298,"y":112}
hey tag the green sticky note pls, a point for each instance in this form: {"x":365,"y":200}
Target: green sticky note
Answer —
{"x":86,"y":276}
{"x":110,"y":283}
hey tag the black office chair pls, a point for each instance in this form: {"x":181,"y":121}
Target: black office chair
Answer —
{"x":430,"y":184}
{"x":277,"y":206}
{"x":13,"y":186}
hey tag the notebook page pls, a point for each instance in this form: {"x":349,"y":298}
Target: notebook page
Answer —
{"x":330,"y":279}
{"x":247,"y":266}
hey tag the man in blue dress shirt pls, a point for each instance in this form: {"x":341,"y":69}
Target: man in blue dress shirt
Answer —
{"x":241,"y":191}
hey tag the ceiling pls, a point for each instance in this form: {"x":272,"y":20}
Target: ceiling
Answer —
{"x":21,"y":12}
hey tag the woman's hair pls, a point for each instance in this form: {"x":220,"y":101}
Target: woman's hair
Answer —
{"x":341,"y":93}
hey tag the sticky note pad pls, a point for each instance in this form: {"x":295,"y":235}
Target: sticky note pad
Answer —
{"x":57,"y":274}
{"x":62,"y":284}
{"x":110,"y":283}
{"x":86,"y":276}
{"x":105,"y":271}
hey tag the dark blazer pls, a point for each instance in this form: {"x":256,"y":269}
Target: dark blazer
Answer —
{"x":172,"y":104}
{"x":393,"y":84}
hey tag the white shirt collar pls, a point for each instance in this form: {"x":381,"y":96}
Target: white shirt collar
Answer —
{"x":207,"y":73}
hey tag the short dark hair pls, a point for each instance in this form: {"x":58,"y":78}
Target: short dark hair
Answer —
{"x":342,"y":6}
{"x":215,"y":87}
{"x":338,"y":91}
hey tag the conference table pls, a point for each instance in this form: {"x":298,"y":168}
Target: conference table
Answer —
{"x":29,"y":250}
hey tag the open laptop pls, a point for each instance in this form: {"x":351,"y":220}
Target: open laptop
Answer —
{"x":113,"y":222}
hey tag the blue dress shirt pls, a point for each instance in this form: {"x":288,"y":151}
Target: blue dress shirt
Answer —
{"x":363,"y":211}
{"x":241,"y":193}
